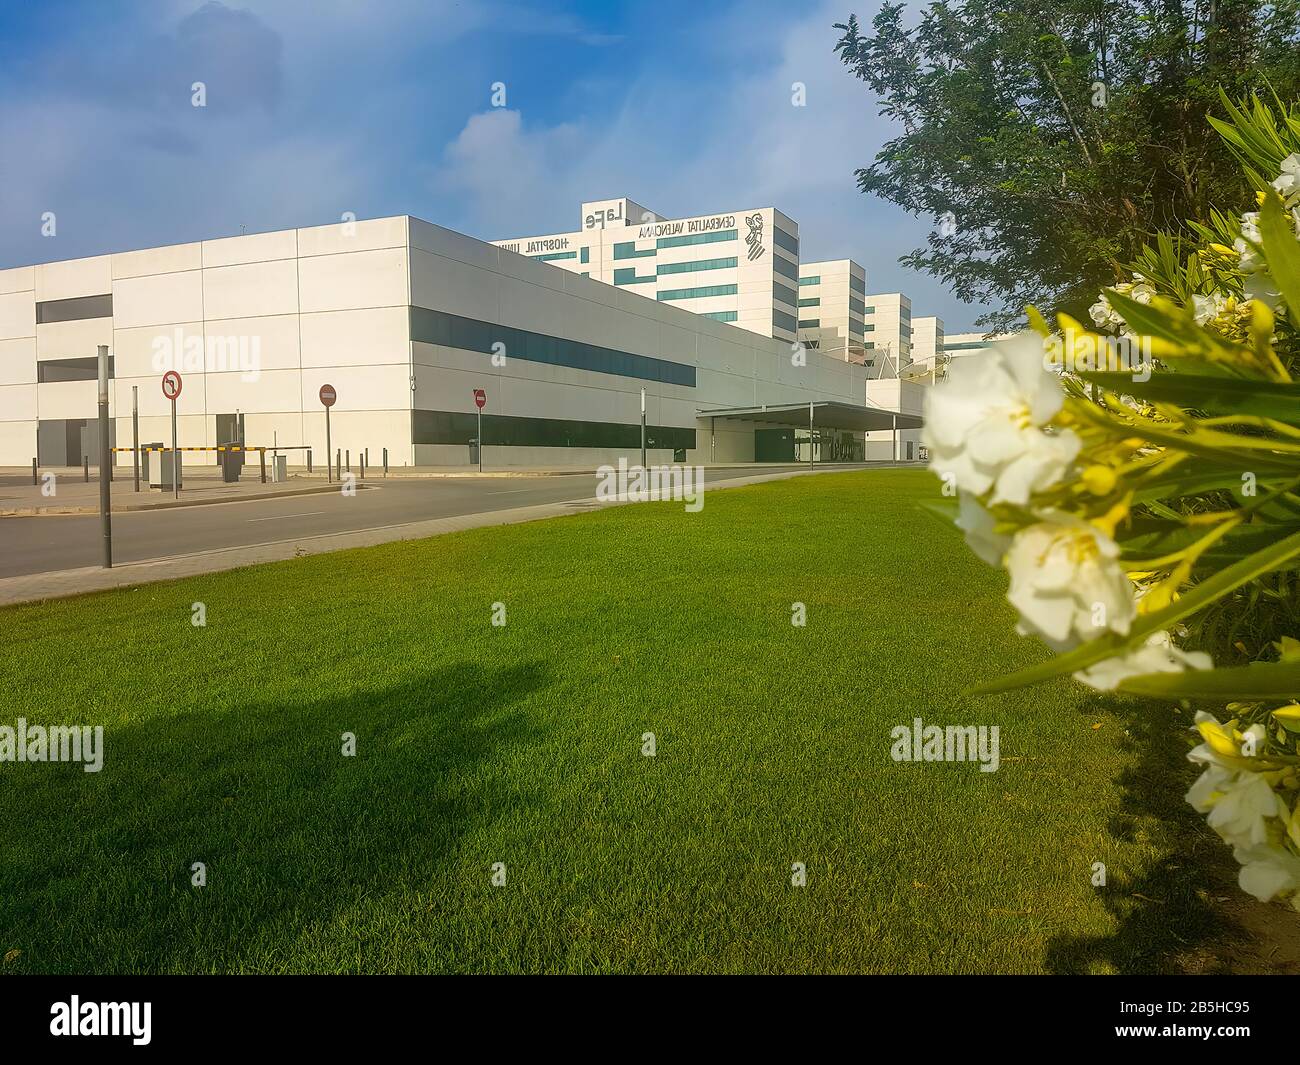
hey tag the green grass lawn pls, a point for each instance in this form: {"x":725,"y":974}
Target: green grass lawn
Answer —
{"x":522,"y":744}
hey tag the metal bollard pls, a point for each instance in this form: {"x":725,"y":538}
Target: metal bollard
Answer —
{"x":363,"y":465}
{"x":338,"y":462}
{"x":348,"y":455}
{"x":385,"y":462}
{"x":34,"y":478}
{"x":261,"y":454}
{"x":309,"y":460}
{"x":85,"y":467}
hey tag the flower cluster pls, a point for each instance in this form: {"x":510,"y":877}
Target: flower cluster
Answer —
{"x":991,"y":438}
{"x":1250,"y":801}
{"x":1132,"y":509}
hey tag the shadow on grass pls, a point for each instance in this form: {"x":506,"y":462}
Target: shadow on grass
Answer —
{"x":97,"y":870}
{"x":1163,"y":913}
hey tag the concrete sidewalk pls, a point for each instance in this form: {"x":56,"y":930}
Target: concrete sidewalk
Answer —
{"x":60,"y":584}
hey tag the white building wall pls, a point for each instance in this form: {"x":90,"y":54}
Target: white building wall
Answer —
{"x":335,"y":304}
{"x":254,"y":323}
{"x":623,"y":244}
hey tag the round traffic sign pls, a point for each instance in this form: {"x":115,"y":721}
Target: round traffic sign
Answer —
{"x":480,"y":398}
{"x":328,"y":395}
{"x":171,"y":385}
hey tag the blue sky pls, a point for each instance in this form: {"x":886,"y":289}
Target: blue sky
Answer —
{"x":383,"y":107}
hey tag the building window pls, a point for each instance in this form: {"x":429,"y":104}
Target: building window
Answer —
{"x":627,"y":250}
{"x":784,"y":240}
{"x":814,"y":280}
{"x":855,"y":328}
{"x":81,"y":369}
{"x":868,"y":328}
{"x":555,"y":255}
{"x":856,"y":284}
{"x":699,"y":264}
{"x":720,"y":316}
{"x":856,"y":305}
{"x":499,"y":430}
{"x":784,"y":293}
{"x":810,"y":323}
{"x":716,"y":236}
{"x":785,"y":266}
{"x":868,"y":310}
{"x":585,"y":255}
{"x":696,"y":293}
{"x":74,"y":310}
{"x":787,"y":322}
{"x":626,"y":275}
{"x":810,"y":301}
{"x":469,"y":334}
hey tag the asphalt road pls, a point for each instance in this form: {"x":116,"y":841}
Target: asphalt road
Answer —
{"x":55,"y":542}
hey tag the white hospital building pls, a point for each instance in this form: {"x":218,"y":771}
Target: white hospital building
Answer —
{"x":406,"y":319}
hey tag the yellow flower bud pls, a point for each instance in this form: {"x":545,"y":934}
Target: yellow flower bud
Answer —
{"x":1099,"y":480}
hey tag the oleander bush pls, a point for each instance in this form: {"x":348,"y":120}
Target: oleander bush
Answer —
{"x":1138,"y":477}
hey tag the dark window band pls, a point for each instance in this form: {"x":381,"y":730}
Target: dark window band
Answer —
{"x":75,"y":309}
{"x":469,"y":334}
{"x":81,"y":369}
{"x":499,"y":430}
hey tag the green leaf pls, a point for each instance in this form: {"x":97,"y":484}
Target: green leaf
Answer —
{"x":1215,"y":395}
{"x":1241,"y":453}
{"x":1282,"y":251}
{"x":1210,"y":590}
{"x":1262,"y":680}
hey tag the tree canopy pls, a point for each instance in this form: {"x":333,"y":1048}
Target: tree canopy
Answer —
{"x":1052,"y":139}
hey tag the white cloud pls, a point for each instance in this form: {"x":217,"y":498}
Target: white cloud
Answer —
{"x":686,"y":146}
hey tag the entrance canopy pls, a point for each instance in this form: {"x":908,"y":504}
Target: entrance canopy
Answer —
{"x":826,"y":414}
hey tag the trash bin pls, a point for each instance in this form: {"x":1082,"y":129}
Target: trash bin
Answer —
{"x":473,"y":452}
{"x":279,"y":469}
{"x":232,"y":462}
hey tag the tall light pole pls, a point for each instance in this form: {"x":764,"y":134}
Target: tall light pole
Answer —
{"x":135,"y":433}
{"x":643,"y":466}
{"x":105,"y":457}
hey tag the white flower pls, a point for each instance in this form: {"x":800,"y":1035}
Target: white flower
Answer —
{"x":1288,"y":183}
{"x":1106,"y":317}
{"x":1157,"y":655}
{"x":1209,"y":788}
{"x":1267,"y":870}
{"x":979,"y":526}
{"x":982,"y":424}
{"x":1067,"y":583}
{"x":1240,"y":815}
{"x":1207,"y":308}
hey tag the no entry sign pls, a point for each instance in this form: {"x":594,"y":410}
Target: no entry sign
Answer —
{"x":480,"y":398}
{"x":171,"y":385}
{"x":328,"y":395}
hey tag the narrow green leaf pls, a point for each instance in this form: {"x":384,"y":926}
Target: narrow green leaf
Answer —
{"x":1263,"y":680}
{"x":1282,"y":251}
{"x":1215,"y":395}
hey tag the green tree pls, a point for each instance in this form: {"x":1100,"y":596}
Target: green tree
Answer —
{"x":1052,"y":139}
